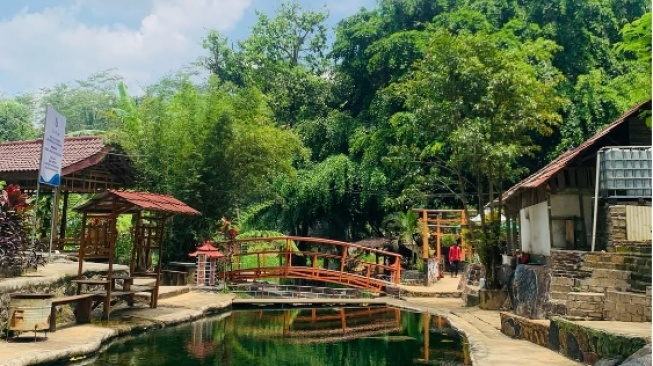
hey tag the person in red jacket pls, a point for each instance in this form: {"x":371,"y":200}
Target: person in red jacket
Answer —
{"x":455,"y":254}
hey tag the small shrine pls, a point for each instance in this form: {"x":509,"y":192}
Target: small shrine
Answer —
{"x":207,"y":258}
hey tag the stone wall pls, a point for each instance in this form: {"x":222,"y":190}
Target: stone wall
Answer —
{"x":627,"y":307}
{"x":534,"y":331}
{"x":584,"y":285}
{"x":615,"y":228}
{"x":568,"y":263}
{"x":585,"y":305}
{"x":573,"y":340}
{"x":589,"y":345}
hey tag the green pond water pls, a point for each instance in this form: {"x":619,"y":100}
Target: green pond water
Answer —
{"x":306,"y":337}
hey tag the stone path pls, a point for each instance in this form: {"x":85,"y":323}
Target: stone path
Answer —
{"x":487,"y":345}
{"x":445,"y":287}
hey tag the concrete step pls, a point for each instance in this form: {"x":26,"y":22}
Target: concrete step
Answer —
{"x":557,"y":307}
{"x":562,"y":281}
{"x":561,"y":288}
{"x":633,"y":249}
{"x":555,"y":295}
{"x":585,"y":296}
{"x":580,"y":273}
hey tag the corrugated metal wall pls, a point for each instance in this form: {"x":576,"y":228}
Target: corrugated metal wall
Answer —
{"x":638,"y":223}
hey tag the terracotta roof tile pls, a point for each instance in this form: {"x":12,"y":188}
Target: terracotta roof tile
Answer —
{"x":208,"y":250}
{"x":137,"y":201}
{"x":155,"y":202}
{"x":26,"y":155}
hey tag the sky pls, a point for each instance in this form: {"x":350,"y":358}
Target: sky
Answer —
{"x":43,"y":43}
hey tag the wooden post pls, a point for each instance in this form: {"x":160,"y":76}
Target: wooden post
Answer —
{"x":426,"y":324}
{"x":438,"y":243}
{"x":376,"y":260}
{"x":397,"y":275}
{"x":343,"y":259}
{"x":343,"y":319}
{"x":425,"y":235}
{"x":289,"y":249}
{"x":463,"y":224}
{"x":64,"y":216}
{"x":82,"y":241}
{"x":106,"y":311}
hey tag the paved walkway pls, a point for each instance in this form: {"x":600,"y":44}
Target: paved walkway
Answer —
{"x":444,"y":285}
{"x":487,"y":345}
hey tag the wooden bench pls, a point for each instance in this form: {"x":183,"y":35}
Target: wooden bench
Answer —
{"x":82,"y":311}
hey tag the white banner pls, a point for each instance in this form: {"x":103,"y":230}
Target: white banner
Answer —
{"x":52,"y":151}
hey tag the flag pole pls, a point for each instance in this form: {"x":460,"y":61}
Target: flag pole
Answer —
{"x":38,"y":190}
{"x":54,"y":217}
{"x":54,"y":131}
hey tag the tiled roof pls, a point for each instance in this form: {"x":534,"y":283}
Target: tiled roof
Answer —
{"x":139,"y":201}
{"x":155,"y":202}
{"x":542,"y":176}
{"x":26,"y":155}
{"x":208,"y":250}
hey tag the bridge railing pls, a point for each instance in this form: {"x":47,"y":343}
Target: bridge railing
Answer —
{"x":244,"y":259}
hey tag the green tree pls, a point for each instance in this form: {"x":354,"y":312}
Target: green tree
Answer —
{"x":15,"y":121}
{"x":482,"y":99}
{"x":294,"y":37}
{"x":404,"y":225}
{"x":212,"y":146}
{"x":86,"y":104}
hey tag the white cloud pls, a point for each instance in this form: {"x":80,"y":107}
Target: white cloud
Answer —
{"x":57,"y":44}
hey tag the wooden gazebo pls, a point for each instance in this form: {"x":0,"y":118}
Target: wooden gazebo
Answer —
{"x":98,"y":238}
{"x":90,"y":164}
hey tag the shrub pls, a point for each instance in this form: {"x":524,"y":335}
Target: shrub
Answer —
{"x":16,"y":251}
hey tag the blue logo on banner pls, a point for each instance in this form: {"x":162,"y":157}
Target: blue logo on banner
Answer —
{"x":54,"y":181}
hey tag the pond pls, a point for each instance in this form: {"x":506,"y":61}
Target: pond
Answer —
{"x":335,"y":336}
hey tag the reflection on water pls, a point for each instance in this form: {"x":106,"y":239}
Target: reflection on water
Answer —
{"x":306,"y":337}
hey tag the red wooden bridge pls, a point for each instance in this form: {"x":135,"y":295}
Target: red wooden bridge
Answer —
{"x":324,"y":260}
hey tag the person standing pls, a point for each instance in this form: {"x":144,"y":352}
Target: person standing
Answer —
{"x":455,"y":253}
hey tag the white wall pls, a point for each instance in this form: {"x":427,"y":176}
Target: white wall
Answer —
{"x":535,"y":234}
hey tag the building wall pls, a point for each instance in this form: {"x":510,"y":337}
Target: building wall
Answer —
{"x":535,"y":234}
{"x":625,"y":224}
{"x":567,"y":205}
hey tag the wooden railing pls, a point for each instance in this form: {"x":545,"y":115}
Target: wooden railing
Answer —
{"x":278,"y":263}
{"x":327,"y":328}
